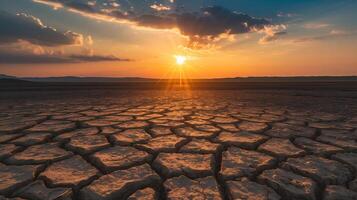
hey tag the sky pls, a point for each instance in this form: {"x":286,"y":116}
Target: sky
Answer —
{"x":145,"y":38}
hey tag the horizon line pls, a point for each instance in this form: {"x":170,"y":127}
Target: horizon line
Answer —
{"x":138,"y":77}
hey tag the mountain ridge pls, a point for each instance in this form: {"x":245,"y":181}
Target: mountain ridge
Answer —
{"x":141,"y":79}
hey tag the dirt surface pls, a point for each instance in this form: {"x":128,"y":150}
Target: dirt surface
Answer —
{"x":205,"y":145}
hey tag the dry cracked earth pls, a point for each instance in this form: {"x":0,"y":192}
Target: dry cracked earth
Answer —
{"x":249,"y":145}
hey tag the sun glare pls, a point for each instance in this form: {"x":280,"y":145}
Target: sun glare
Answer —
{"x":180,"y":60}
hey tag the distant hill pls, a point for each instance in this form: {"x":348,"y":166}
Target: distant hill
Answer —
{"x":4,"y":76}
{"x":237,"y":79}
{"x":88,"y":79}
{"x":5,"y":82}
{"x":75,"y":79}
{"x":287,"y":79}
{"x":135,"y":83}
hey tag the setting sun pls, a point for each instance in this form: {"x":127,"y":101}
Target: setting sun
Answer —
{"x":180,"y":60}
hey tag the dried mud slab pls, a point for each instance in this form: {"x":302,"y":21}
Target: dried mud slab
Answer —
{"x":334,"y":192}
{"x":130,"y":136}
{"x":12,"y":125}
{"x":281,"y":148}
{"x":132,"y":124}
{"x":78,"y":132}
{"x":73,"y":172}
{"x":224,"y":120}
{"x":316,"y":147}
{"x":53,"y":126}
{"x":7,"y":150}
{"x":193,"y":133}
{"x":348,"y":158}
{"x":144,"y":194}
{"x":200,"y":146}
{"x":160,"y":131}
{"x":241,"y":139}
{"x":100,"y":123}
{"x":8,"y":137}
{"x":119,"y":157}
{"x":87,"y":144}
{"x":289,"y":185}
{"x":120,"y":184}
{"x":348,"y":144}
{"x":239,"y":162}
{"x":32,"y":138}
{"x":322,"y":170}
{"x":192,"y":165}
{"x":248,"y":190}
{"x":37,"y":154}
{"x":168,"y":143}
{"x":253,"y":127}
{"x":38,"y":190}
{"x":15,"y":177}
{"x":283,"y":130}
{"x":184,"y":188}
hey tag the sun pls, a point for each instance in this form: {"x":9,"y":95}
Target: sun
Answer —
{"x":180,"y":60}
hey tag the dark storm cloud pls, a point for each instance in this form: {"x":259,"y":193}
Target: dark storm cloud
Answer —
{"x":26,"y":27}
{"x":15,"y":29}
{"x":207,"y":23}
{"x":153,"y":21}
{"x":19,"y":58}
{"x":213,"y":21}
{"x":210,"y":21}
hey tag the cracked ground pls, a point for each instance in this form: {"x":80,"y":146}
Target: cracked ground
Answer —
{"x":203,"y":145}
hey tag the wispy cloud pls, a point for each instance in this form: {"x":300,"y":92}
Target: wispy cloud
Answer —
{"x":316,"y":26}
{"x":16,"y":58}
{"x":286,"y":15}
{"x":331,"y":35}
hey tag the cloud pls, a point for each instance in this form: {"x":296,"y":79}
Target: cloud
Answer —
{"x":24,"y":52}
{"x":316,"y":26}
{"x":29,"y":28}
{"x":200,"y":27}
{"x":96,"y":58}
{"x":286,"y":15}
{"x":331,"y":35}
{"x":16,"y":58}
{"x":209,"y":25}
{"x":272,"y":33}
{"x":54,"y":5}
{"x":154,"y":21}
{"x":24,"y":39}
{"x":269,"y":38}
{"x":212,"y":22}
{"x":160,"y":7}
{"x":86,"y":7}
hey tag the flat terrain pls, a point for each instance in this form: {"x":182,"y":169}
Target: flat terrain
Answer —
{"x":202,"y":145}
